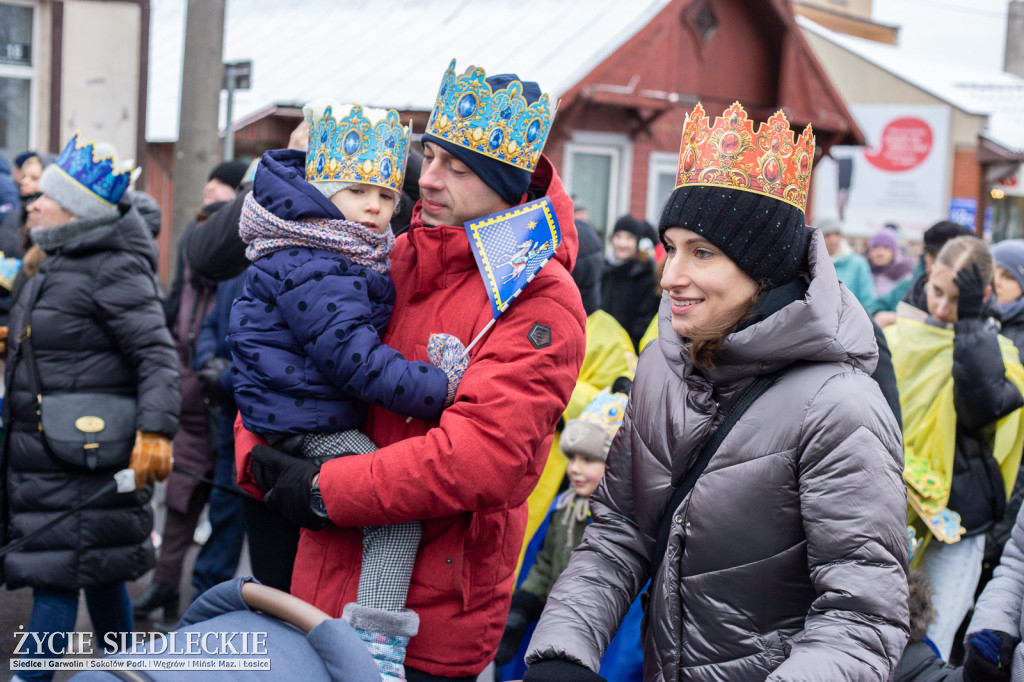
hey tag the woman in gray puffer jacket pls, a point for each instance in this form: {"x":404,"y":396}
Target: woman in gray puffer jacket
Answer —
{"x":788,"y":560}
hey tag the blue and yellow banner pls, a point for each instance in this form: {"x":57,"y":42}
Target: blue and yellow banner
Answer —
{"x":512,"y":246}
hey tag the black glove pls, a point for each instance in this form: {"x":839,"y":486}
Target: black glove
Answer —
{"x":209,"y":379}
{"x":557,"y":670}
{"x":989,"y":656}
{"x":972,"y":292}
{"x":289,"y":485}
{"x":526,"y":608}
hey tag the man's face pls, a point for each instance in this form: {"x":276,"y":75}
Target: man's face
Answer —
{"x":452,"y":194}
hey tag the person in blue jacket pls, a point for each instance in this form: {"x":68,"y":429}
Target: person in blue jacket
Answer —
{"x":305,"y":337}
{"x":852,"y":268}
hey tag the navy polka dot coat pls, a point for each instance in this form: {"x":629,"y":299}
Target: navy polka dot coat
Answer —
{"x":305,"y":333}
{"x":306,"y":350}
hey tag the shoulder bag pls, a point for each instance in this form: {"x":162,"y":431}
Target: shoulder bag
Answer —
{"x":88,"y":430}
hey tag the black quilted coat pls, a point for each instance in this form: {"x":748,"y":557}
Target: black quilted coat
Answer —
{"x":97,"y":326}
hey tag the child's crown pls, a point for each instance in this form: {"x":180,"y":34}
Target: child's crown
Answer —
{"x":346,"y":146}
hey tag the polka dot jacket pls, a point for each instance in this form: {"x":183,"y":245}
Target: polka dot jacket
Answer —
{"x":306,"y":349}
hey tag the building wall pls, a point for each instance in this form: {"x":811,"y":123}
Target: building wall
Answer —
{"x":861,"y":82}
{"x":850,"y":25}
{"x":740,"y":61}
{"x":859,"y":8}
{"x":100,"y":73}
{"x":967,"y":174}
{"x":157,"y":173}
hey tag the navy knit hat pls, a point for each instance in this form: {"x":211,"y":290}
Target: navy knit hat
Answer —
{"x":508,"y":181}
{"x":765,"y":237}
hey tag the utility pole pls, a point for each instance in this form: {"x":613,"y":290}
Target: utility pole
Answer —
{"x":197,"y":149}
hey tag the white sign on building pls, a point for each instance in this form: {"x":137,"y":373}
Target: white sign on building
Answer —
{"x":900,"y":177}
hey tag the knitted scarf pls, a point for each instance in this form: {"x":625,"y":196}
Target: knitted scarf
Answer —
{"x":577,"y":510}
{"x":49,"y":239}
{"x":265,"y":233}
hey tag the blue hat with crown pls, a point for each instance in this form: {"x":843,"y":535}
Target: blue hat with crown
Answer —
{"x":85,"y":179}
{"x":349,"y":144}
{"x":497,"y":126}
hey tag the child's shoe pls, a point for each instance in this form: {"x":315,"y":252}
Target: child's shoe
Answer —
{"x":386,"y":634}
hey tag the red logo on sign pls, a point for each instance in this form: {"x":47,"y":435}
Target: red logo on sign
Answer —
{"x":905,"y":144}
{"x":1009,"y":181}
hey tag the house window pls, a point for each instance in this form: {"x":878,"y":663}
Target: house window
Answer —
{"x":662,"y":169}
{"x":17,"y":76}
{"x":597,"y":168}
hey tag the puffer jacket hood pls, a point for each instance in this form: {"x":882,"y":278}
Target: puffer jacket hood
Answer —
{"x":788,"y":559}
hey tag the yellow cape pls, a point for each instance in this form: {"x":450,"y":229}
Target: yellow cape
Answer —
{"x":922,"y":356}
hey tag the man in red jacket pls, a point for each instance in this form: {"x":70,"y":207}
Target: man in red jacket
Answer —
{"x":466,"y":478}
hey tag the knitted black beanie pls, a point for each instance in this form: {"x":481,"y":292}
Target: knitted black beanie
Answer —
{"x":765,"y":237}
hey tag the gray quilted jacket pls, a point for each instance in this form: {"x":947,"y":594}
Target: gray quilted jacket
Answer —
{"x":795,"y":558}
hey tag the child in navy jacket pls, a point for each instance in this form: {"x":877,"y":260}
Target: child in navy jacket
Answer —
{"x":305,"y":334}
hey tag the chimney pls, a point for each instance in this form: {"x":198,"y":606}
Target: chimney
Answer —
{"x":1013,"y":55}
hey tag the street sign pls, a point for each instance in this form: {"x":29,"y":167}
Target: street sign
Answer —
{"x":237,"y":75}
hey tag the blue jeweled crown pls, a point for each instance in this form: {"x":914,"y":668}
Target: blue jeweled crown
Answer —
{"x":353,"y":149}
{"x":499,"y":124}
{"x":98,"y":174}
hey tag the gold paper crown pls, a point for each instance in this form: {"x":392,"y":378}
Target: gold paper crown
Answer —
{"x":730,"y":154}
{"x":500,"y":124}
{"x":346,"y":146}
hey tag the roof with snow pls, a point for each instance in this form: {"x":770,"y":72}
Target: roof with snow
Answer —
{"x":995,"y":94}
{"x":388,"y":53}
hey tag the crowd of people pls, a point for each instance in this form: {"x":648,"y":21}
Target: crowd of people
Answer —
{"x":735,"y":449}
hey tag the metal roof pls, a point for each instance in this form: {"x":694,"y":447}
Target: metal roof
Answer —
{"x":995,"y":94}
{"x":388,"y":53}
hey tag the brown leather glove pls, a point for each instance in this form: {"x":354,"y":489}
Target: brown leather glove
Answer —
{"x":151,"y":458}
{"x":3,"y":340}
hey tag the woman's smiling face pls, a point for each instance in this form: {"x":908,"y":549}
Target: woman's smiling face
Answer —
{"x":706,"y":289}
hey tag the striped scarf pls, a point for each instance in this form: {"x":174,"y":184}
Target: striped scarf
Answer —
{"x":265,"y":233}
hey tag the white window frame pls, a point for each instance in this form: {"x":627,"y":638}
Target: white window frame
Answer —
{"x":615,"y":145}
{"x":29,"y":73}
{"x":659,"y":163}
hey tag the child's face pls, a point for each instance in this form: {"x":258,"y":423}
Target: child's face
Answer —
{"x":370,"y":205}
{"x":584,"y":474}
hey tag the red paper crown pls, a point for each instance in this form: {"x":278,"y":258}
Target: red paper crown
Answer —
{"x":731,"y":155}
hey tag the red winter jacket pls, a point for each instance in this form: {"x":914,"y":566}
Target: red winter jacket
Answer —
{"x":467,"y":477}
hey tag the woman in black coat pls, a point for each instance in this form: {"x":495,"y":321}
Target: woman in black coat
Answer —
{"x":97,"y":326}
{"x":628,"y":285}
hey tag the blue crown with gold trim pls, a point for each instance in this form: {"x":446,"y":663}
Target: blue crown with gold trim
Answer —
{"x":501,"y":125}
{"x":354,"y":149}
{"x":94,"y":172}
